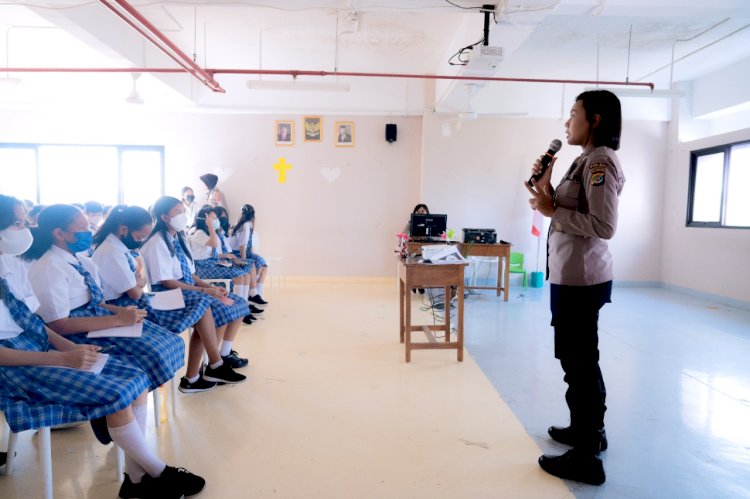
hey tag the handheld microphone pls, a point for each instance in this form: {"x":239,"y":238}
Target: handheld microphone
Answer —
{"x":554,"y":146}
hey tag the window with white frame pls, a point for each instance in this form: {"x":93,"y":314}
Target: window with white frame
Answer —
{"x":718,"y":179}
{"x":110,"y":174}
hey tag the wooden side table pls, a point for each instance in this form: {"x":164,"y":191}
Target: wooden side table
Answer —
{"x":411,"y":275}
{"x":502,"y":252}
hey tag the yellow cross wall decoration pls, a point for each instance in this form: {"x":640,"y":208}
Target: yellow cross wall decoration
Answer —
{"x":282,"y":166}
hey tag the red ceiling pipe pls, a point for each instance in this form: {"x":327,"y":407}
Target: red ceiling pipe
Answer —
{"x":295,"y":73}
{"x":152,"y":34}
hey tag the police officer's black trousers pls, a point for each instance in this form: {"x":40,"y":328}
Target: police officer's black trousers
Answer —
{"x":575,"y":314}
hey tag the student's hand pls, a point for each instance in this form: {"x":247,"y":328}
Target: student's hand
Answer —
{"x":130,"y":315}
{"x":80,"y":357}
{"x":215,"y":291}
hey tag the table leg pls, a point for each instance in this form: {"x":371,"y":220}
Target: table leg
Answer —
{"x":506,"y":279}
{"x":447,"y":313}
{"x":460,"y":324}
{"x":407,"y":319}
{"x":401,"y":301}
{"x":500,"y":266}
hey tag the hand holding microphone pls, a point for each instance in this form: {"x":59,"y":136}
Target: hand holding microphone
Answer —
{"x":545,"y":161}
{"x":542,"y":197}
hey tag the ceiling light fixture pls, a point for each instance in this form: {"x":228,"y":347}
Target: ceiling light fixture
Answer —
{"x":319,"y":86}
{"x":134,"y":97}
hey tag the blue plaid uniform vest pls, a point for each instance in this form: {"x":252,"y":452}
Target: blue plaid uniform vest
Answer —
{"x":97,"y":295}
{"x":187,"y":276}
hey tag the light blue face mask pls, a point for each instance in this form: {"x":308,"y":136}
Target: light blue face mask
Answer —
{"x":216,"y":224}
{"x":82,"y":243}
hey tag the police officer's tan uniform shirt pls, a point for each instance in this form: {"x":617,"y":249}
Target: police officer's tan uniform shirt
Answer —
{"x":586,"y":215}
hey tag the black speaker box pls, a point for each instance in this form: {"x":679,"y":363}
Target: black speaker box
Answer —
{"x":390,"y":132}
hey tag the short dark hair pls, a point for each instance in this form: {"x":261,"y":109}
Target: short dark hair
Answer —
{"x":185,"y":189}
{"x":607,"y":106}
{"x":420,"y":205}
{"x":93,"y":207}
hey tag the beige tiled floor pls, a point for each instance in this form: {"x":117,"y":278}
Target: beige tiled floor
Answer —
{"x":330,"y":410}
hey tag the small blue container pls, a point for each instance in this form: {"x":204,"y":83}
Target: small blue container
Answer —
{"x":537,"y":279}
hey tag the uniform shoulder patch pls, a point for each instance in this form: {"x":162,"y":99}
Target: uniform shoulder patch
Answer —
{"x":597,"y":167}
{"x":597,"y":178}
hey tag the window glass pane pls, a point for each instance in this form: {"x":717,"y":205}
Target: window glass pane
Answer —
{"x":18,"y":172}
{"x":709,"y":180}
{"x":141,"y":177}
{"x":738,"y":202}
{"x":76,"y":174}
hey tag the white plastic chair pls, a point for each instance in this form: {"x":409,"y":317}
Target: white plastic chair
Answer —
{"x":45,"y":454}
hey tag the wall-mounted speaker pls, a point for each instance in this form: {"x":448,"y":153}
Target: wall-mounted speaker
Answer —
{"x":390,"y":132}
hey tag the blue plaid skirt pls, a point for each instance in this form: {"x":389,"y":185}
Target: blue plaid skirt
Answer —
{"x":224,"y":314}
{"x":34,"y":397}
{"x":207,"y":269}
{"x":158,"y":352}
{"x":175,"y":321}
{"x":253,"y":258}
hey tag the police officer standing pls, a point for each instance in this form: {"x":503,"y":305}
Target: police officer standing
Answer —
{"x":583,"y":212}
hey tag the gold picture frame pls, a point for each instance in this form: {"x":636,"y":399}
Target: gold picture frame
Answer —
{"x":344,"y":134}
{"x":283,"y":131}
{"x":313,"y":128}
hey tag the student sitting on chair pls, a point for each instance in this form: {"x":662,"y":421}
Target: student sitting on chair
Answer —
{"x":242,"y":237}
{"x":170,"y":265}
{"x":29,"y":384}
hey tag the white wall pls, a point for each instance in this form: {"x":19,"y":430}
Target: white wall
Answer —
{"x":475,"y":175}
{"x":342,"y":227}
{"x":712,"y":261}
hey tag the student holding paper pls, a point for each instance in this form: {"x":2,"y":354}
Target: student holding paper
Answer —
{"x":35,"y":392}
{"x":72,"y":302}
{"x":170,"y":266}
{"x":123,"y":285}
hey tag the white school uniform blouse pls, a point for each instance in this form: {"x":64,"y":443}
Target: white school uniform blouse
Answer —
{"x":13,"y":270}
{"x":199,"y":247}
{"x":111,"y":257}
{"x":162,"y":266}
{"x":242,"y":236}
{"x":58,"y":286}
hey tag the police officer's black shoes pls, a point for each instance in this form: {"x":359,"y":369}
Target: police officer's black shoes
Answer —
{"x":566,"y":435}
{"x":577,"y":465}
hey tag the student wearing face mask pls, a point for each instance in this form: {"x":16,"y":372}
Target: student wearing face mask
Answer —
{"x":72,"y":302}
{"x":188,"y":201}
{"x":170,"y":266}
{"x":31,"y":380}
{"x":94,"y":212}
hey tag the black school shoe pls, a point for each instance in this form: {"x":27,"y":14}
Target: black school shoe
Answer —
{"x":223,"y":374}
{"x":575,"y":465}
{"x":3,"y":458}
{"x":248,"y":319}
{"x":258,"y":300}
{"x":566,"y":435}
{"x":254,"y":309}
{"x":173,"y":483}
{"x":234,"y":360}
{"x":130,"y":490}
{"x":200,"y":385}
{"x":99,"y":425}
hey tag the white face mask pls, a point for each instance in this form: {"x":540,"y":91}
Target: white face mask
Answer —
{"x":179,"y":222}
{"x":14,"y":241}
{"x":216,"y":223}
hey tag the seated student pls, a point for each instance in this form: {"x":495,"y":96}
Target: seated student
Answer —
{"x":170,"y":266}
{"x":94,"y":212}
{"x":33,"y":214}
{"x":29,"y":384}
{"x":227,"y":253}
{"x":205,"y":244}
{"x":242,"y":241}
{"x":123,"y":285}
{"x":188,"y":200}
{"x":420,"y":209}
{"x":71,"y":299}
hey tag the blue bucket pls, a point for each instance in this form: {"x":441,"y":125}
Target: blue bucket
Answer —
{"x":537,"y":279}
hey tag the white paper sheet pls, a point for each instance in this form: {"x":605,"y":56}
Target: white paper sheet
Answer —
{"x":133,"y":331}
{"x":101,"y":361}
{"x":168,"y":300}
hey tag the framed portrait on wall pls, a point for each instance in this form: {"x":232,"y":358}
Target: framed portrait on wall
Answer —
{"x":313,"y":128}
{"x":344,"y":134}
{"x":284,"y":131}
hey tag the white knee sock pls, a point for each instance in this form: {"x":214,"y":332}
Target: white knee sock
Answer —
{"x":130,"y":439}
{"x":253,"y":291}
{"x":242,"y":290}
{"x":226,"y":348}
{"x":141,"y":415}
{"x":260,"y":288}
